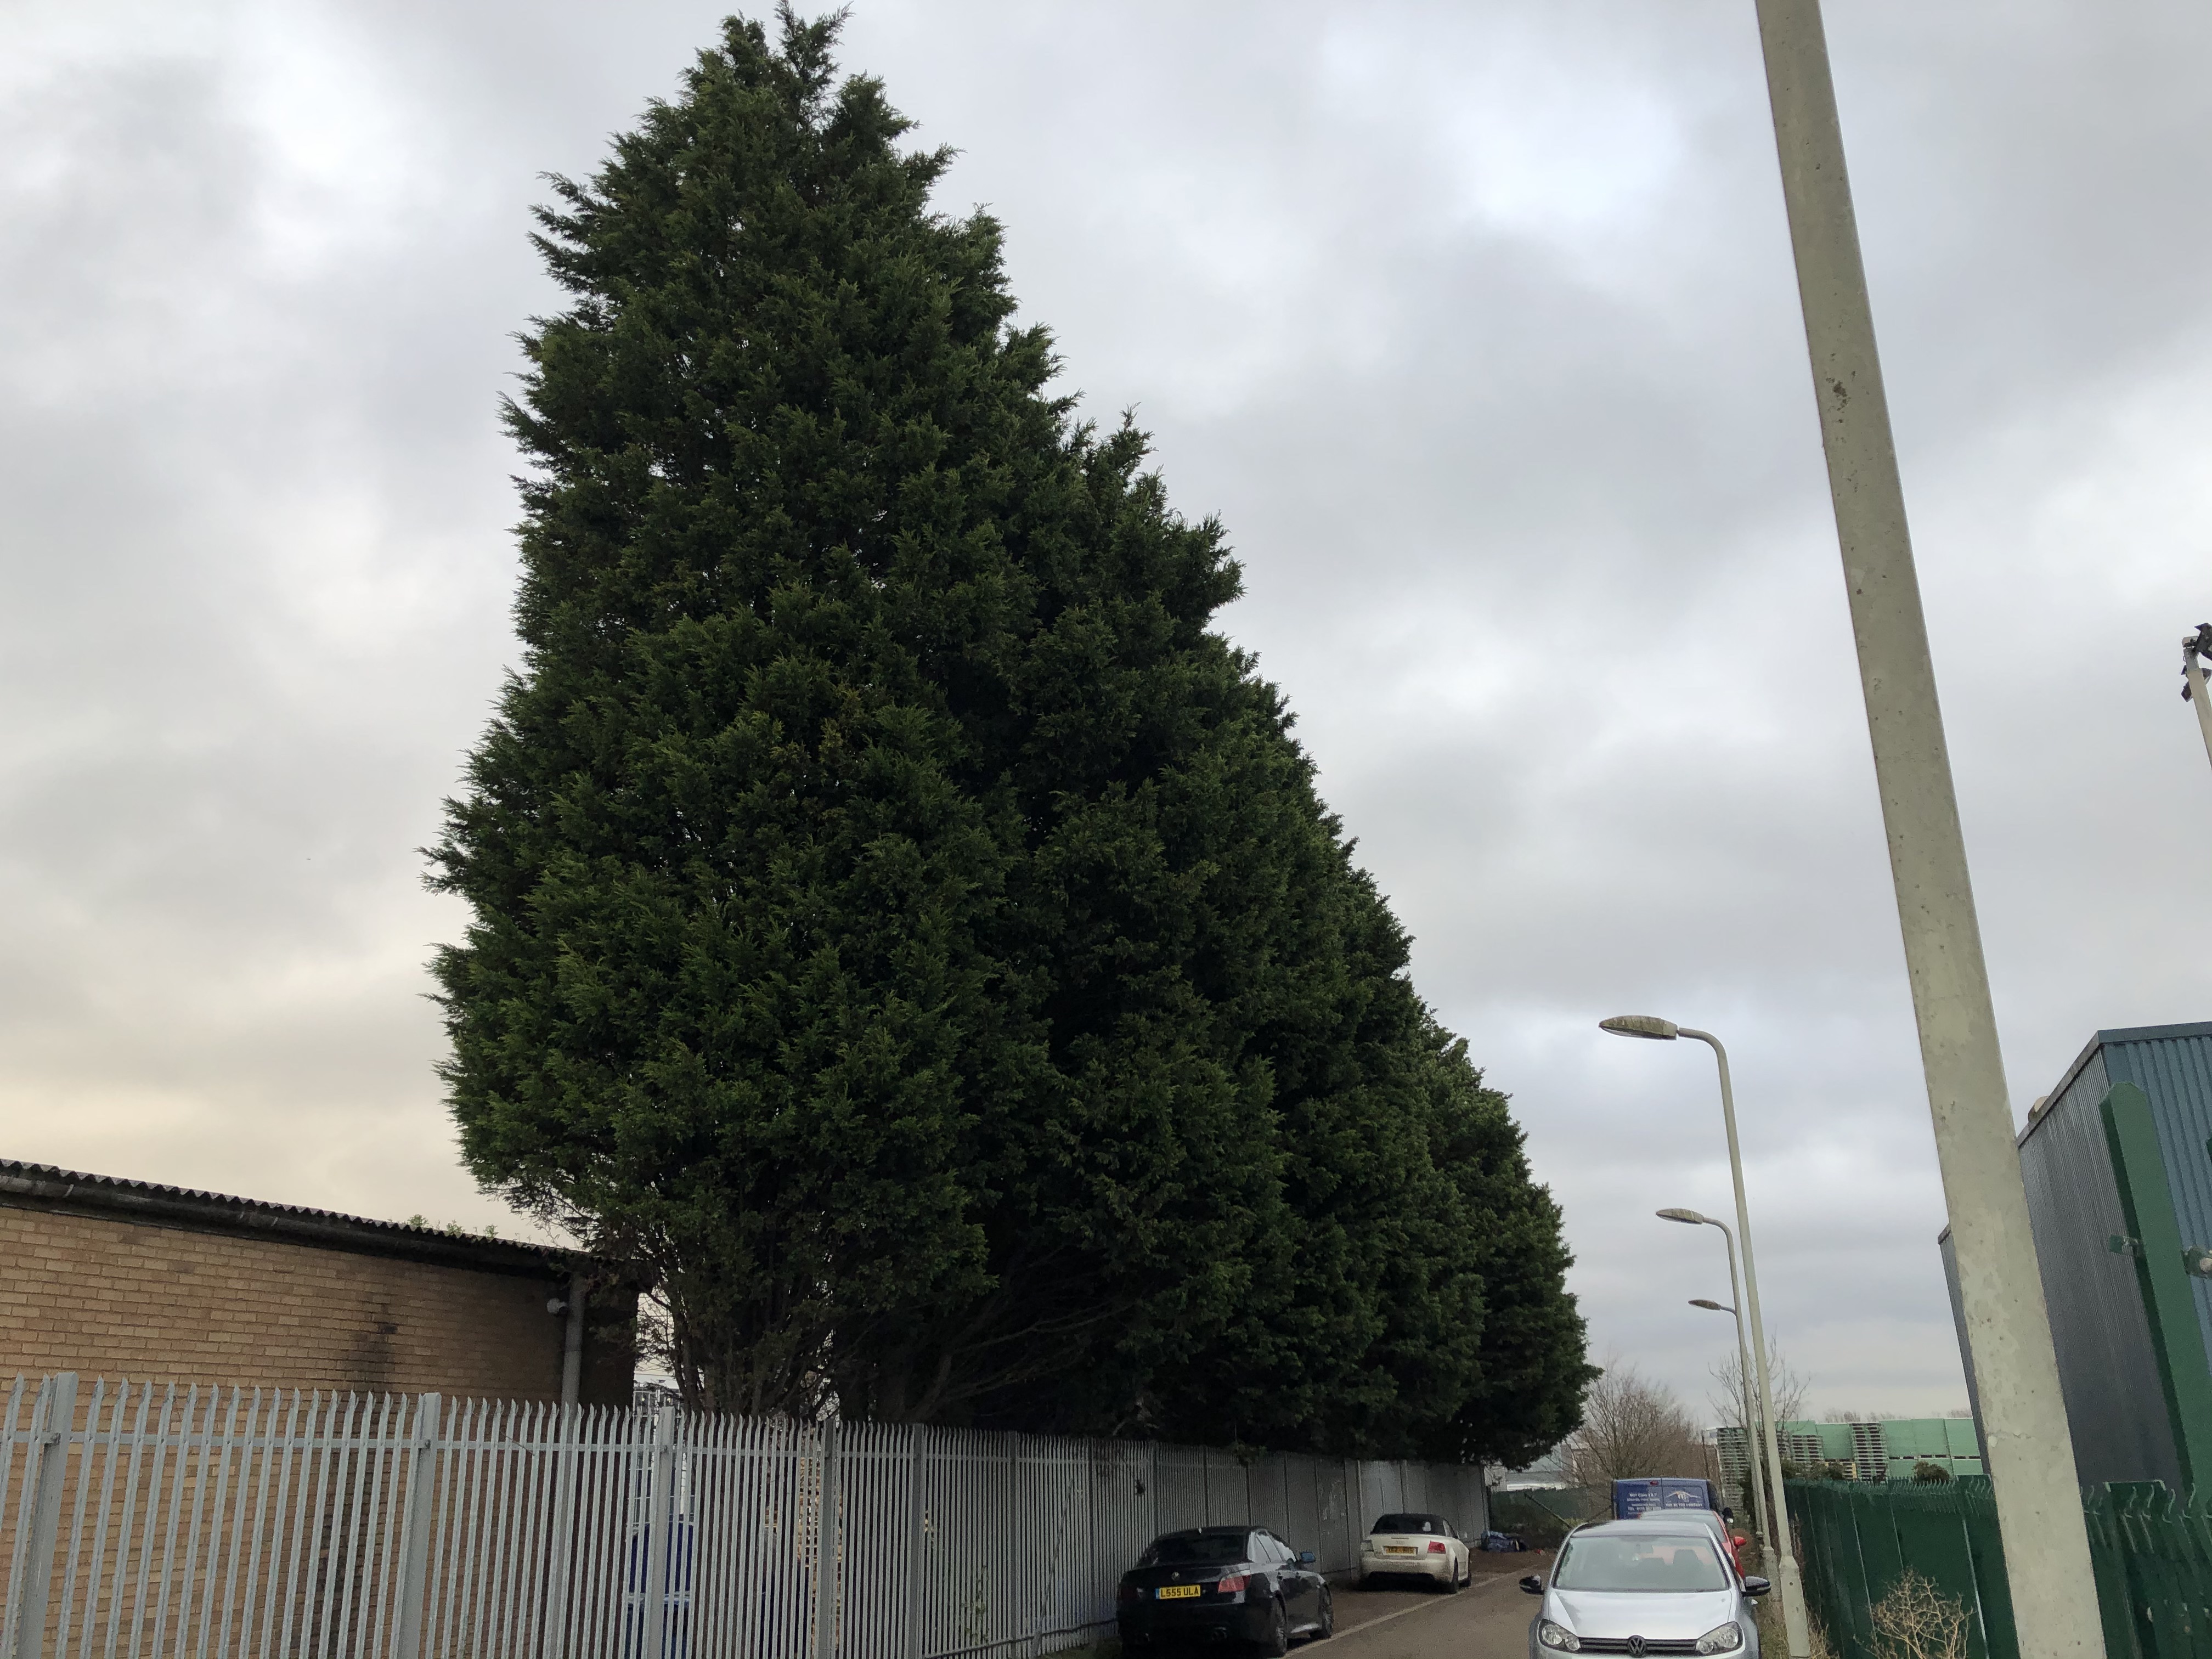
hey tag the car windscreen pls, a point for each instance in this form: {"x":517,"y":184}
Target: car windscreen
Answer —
{"x":1196,"y":1549}
{"x":1613,"y":1561}
{"x":1429,"y":1523}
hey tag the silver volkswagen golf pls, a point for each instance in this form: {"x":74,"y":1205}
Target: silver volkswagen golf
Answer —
{"x":1636,"y":1587}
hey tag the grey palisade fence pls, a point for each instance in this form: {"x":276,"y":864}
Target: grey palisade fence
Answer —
{"x":172,"y":1520}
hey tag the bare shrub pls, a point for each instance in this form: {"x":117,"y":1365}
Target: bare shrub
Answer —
{"x":1916,"y":1620}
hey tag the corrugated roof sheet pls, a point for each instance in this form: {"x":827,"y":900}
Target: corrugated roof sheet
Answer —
{"x":123,"y":1183}
{"x":49,"y":1185}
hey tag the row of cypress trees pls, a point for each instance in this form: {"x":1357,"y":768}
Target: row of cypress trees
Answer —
{"x":900,"y":919}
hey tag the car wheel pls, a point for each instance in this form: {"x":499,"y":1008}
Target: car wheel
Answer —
{"x":1328,"y":1626}
{"x":1278,"y":1639}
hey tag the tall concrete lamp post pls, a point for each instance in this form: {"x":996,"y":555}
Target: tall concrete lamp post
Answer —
{"x":1794,"y":1623}
{"x":2028,"y":1449}
{"x":1751,"y":1419}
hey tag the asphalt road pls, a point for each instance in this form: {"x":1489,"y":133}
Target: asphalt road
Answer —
{"x":1488,"y":1619}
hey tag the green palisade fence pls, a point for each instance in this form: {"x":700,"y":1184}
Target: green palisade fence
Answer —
{"x":2152,"y":1558}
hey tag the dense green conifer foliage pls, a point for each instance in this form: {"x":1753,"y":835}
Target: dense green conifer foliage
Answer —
{"x":899,"y":918}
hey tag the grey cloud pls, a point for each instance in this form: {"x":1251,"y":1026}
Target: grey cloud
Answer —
{"x":1476,"y":326}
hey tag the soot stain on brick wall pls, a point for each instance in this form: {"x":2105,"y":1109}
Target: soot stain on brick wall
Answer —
{"x":112,"y":1296}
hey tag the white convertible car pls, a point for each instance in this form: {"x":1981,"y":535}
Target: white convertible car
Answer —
{"x":1415,"y":1546}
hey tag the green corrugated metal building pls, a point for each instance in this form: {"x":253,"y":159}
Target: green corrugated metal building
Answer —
{"x":2119,"y":1174}
{"x":1875,"y":1448}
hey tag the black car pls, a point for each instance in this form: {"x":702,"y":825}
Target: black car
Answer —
{"x":1210,"y":1585}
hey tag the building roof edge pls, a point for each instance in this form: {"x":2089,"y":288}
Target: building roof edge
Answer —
{"x":2154,"y":1033}
{"x":45,"y":1186}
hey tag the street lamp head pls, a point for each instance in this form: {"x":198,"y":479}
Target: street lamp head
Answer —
{"x":2198,"y":644}
{"x":1688,"y":1218}
{"x":1715,"y":1307}
{"x":1641,"y":1025}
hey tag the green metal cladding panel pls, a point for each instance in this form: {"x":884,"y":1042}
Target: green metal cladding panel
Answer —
{"x":2107,"y":1368}
{"x":2172,"y":1066}
{"x":1915,"y":1437}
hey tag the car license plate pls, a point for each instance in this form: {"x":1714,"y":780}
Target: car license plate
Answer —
{"x":1400,"y":1549}
{"x":1177,"y":1592}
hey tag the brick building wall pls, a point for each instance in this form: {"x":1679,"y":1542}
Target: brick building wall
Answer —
{"x":116,"y":1279}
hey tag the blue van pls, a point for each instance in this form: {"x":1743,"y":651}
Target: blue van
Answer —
{"x":1666,"y":1492}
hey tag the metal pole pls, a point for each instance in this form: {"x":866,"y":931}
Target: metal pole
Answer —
{"x":2193,"y":672}
{"x":572,"y":1340}
{"x":659,"y":1535}
{"x":415,"y":1525}
{"x":828,"y":1555}
{"x":1750,"y":1447}
{"x":2027,"y":1447}
{"x":1794,"y":1623}
{"x":916,"y":1539}
{"x":569,"y":1447}
{"x":46,"y":1468}
{"x":1743,"y":1381}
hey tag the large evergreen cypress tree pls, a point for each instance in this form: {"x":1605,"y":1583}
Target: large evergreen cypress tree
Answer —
{"x":900,"y":919}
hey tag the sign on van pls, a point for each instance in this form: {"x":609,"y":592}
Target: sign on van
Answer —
{"x":1632,"y":1498}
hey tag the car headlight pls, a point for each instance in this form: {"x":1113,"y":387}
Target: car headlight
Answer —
{"x":1560,"y":1636}
{"x":1722,"y":1639}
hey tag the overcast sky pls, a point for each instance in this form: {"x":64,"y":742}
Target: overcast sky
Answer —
{"x":1475,"y":324}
